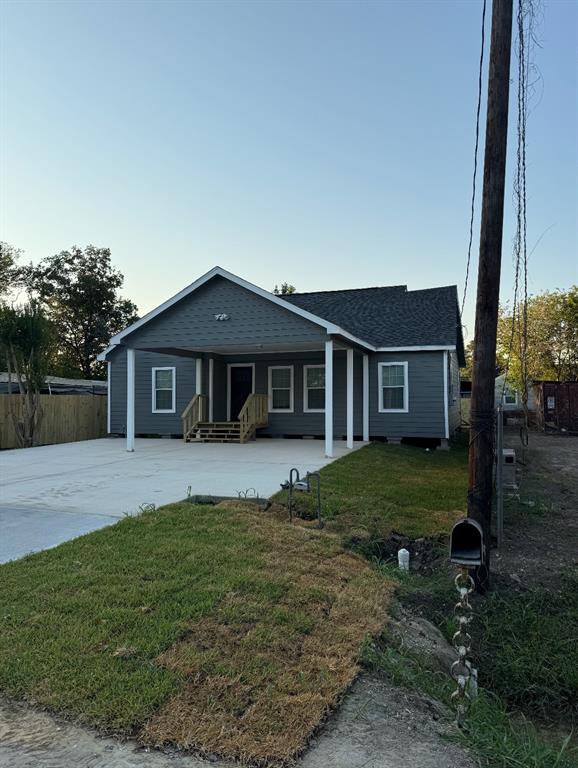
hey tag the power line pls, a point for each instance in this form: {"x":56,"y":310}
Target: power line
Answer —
{"x":525,"y":20}
{"x":477,"y":142}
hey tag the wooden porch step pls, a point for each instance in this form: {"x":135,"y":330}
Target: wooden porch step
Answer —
{"x":215,"y":432}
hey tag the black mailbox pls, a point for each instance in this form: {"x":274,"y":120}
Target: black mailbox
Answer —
{"x":467,"y":543}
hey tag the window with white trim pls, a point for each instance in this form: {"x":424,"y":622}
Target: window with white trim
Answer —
{"x":393,"y":388}
{"x":164,"y":390}
{"x":281,"y":392}
{"x":510,"y":396}
{"x":314,"y":388}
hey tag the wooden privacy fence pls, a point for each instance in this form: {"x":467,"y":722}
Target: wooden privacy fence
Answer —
{"x":67,"y":418}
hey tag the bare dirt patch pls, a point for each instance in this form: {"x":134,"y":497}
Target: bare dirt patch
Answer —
{"x":378,"y":726}
{"x":541,"y":526}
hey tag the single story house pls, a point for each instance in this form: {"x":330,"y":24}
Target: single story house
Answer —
{"x":226,"y":360}
{"x":510,"y":398}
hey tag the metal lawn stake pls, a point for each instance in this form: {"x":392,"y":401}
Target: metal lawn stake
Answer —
{"x":467,"y":551}
{"x":305,"y":486}
{"x":289,"y":485}
{"x":317,"y":477}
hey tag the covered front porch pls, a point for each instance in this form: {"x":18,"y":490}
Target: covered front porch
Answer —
{"x":234,"y":394}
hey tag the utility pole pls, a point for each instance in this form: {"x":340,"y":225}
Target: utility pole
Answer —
{"x":481,"y":457}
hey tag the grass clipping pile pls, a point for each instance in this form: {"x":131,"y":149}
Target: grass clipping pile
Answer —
{"x":262,"y":672}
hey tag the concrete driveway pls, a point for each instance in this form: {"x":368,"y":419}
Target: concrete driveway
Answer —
{"x":56,"y":492}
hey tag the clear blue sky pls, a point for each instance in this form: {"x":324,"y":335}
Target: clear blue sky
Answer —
{"x":328,"y":144}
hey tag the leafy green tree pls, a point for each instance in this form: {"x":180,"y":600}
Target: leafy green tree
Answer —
{"x":552,"y":338}
{"x":26,"y":344}
{"x":466,"y":373}
{"x":284,"y":290}
{"x":9,"y":273}
{"x":79,"y":290}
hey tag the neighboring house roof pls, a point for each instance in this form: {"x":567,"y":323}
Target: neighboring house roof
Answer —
{"x":58,"y":384}
{"x":389,"y":318}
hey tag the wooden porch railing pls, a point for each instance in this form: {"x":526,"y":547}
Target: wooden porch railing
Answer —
{"x":254,"y":414}
{"x":194,"y":413}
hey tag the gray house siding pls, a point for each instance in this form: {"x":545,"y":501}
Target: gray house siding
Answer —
{"x":191,"y":323}
{"x":296,"y":423}
{"x":425,"y":416}
{"x":299,"y":422}
{"x":454,"y":402}
{"x":146,"y":421}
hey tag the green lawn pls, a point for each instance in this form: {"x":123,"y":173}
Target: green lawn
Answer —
{"x":219,"y":628}
{"x":382,"y":487}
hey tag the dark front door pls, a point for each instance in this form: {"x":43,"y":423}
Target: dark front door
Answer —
{"x":241,"y":387}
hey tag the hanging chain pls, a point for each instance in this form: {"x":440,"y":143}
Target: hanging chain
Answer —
{"x":462,"y":642}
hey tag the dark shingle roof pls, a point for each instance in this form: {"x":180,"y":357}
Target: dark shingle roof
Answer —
{"x":390,"y":316}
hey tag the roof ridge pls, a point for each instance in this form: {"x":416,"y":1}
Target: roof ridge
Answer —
{"x":345,"y":290}
{"x":434,"y":288}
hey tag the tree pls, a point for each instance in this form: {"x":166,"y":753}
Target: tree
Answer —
{"x":284,"y":290}
{"x":9,"y":273}
{"x":80,"y":292}
{"x":552,"y":346}
{"x":26,"y":339}
{"x":466,"y":372}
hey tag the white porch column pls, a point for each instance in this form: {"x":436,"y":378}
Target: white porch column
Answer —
{"x":329,"y":399}
{"x":108,"y":400}
{"x":350,"y":398}
{"x":211,"y":361}
{"x":199,"y":376}
{"x":366,"y":398}
{"x":130,"y":365}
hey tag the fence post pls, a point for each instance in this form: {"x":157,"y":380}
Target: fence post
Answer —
{"x":499,"y":475}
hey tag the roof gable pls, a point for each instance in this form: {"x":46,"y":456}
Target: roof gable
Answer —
{"x":218,"y":272}
{"x":374,"y":318}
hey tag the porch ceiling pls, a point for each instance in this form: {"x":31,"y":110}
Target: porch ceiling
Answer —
{"x":242,"y":349}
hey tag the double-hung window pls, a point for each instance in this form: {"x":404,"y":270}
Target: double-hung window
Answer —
{"x":393,"y":388}
{"x":510,"y":396}
{"x":314,"y":388}
{"x":281,"y":394}
{"x":164,"y":388}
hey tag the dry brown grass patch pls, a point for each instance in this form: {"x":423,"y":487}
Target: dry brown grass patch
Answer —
{"x":263,"y":670}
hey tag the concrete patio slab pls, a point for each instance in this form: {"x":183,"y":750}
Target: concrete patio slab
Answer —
{"x":54,"y":493}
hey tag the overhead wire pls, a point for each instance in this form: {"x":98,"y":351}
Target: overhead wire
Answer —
{"x":476,"y":146}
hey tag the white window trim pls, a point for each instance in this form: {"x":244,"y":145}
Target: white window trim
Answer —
{"x":306,"y":409}
{"x":154,"y":390}
{"x":514,"y":393}
{"x":380,"y":408}
{"x":291,"y":408}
